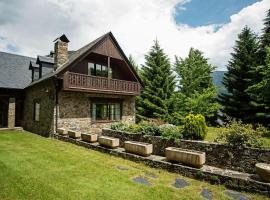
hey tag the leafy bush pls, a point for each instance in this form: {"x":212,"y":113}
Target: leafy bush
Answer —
{"x":263,"y":131}
{"x":148,"y":128}
{"x":194,"y":127}
{"x":119,"y":126}
{"x":239,"y":134}
{"x":169,"y":131}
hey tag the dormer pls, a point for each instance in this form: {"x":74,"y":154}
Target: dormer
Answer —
{"x":35,"y":70}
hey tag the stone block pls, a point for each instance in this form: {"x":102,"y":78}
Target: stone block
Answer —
{"x":263,"y":170}
{"x":140,"y":148}
{"x":61,"y":131}
{"x":74,"y":134}
{"x":89,"y":137}
{"x":185,"y":156}
{"x":108,"y":141}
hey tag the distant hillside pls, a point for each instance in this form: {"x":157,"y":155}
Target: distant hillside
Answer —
{"x":217,"y":80}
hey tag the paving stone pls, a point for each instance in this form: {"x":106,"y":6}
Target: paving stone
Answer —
{"x":180,"y":183}
{"x":141,"y":180}
{"x":236,"y":195}
{"x":205,"y":193}
{"x":150,"y":175}
{"x":122,"y":168}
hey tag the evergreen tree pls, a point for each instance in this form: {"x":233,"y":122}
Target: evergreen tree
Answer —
{"x":261,"y":90}
{"x":237,"y":103}
{"x":159,"y":85}
{"x":194,"y":73}
{"x":133,"y":63}
{"x":264,"y":39}
{"x":197,"y":93}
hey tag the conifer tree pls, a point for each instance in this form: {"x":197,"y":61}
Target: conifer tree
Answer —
{"x":133,"y":63}
{"x":159,"y":85}
{"x":264,"y":39}
{"x":237,"y":103}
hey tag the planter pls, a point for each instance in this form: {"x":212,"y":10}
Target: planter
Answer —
{"x":108,"y":141}
{"x":263,"y":170}
{"x":61,"y":131}
{"x":140,"y":148}
{"x":89,"y":137}
{"x":188,"y":157}
{"x":74,"y":134}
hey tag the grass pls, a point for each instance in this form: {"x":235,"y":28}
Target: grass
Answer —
{"x":213,"y":132}
{"x":33,"y":167}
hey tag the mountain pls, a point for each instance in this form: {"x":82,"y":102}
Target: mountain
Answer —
{"x":217,"y":80}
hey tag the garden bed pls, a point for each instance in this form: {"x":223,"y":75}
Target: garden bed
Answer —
{"x":218,"y":155}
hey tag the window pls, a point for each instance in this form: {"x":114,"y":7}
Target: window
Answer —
{"x":97,"y":70}
{"x":36,"y":111}
{"x":35,"y":74}
{"x":106,"y":111}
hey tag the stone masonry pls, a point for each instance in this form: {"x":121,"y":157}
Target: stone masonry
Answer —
{"x":11,"y":113}
{"x":75,"y":110}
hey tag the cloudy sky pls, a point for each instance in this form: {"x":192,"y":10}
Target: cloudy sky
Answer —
{"x":29,"y":27}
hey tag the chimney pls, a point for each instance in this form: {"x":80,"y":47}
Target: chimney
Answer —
{"x":60,"y":51}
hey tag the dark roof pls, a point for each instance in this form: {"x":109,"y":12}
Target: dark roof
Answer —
{"x":46,"y":59}
{"x":14,"y":71}
{"x":62,"y":38}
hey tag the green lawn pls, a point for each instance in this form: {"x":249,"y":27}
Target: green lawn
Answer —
{"x":213,"y":132}
{"x":33,"y":167}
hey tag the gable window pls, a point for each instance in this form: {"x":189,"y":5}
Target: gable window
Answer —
{"x":106,"y":112}
{"x":36,"y":111}
{"x":35,"y":74}
{"x":97,"y":70}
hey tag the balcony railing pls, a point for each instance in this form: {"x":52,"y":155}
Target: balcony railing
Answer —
{"x":83,"y":82}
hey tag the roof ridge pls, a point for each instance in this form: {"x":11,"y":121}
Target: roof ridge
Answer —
{"x":16,"y":54}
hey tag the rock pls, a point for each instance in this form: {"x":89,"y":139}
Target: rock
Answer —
{"x":141,"y":180}
{"x":205,"y":193}
{"x":263,"y":170}
{"x":236,"y":195}
{"x":180,"y":183}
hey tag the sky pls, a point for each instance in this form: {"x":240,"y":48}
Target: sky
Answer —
{"x":29,"y":27}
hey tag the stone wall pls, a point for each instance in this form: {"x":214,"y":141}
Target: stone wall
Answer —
{"x":75,"y":110}
{"x":218,"y":155}
{"x":43,"y":92}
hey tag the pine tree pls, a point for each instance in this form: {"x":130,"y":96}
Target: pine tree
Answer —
{"x":237,"y":103}
{"x":159,"y":85}
{"x":133,"y":63}
{"x":264,"y":39}
{"x":261,"y":90}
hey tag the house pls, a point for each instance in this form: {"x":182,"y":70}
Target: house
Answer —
{"x":84,"y":90}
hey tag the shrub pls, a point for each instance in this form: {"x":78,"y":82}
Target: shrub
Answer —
{"x":239,"y":134}
{"x":194,"y":127}
{"x":119,"y":126}
{"x":263,"y":131}
{"x":169,"y":131}
{"x":148,"y":128}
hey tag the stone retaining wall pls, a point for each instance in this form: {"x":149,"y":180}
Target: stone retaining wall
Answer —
{"x":218,"y":155}
{"x":231,"y":179}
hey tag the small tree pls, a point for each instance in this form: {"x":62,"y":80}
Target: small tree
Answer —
{"x":159,"y":85}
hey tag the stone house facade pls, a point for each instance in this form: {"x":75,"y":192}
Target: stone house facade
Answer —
{"x":84,"y":90}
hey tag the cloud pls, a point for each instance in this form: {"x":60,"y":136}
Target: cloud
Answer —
{"x":32,"y":25}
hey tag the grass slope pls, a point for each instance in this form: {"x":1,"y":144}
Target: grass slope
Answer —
{"x":33,"y":167}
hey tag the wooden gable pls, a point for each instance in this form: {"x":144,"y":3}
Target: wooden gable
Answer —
{"x":108,"y":48}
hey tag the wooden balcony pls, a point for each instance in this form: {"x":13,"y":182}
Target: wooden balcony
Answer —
{"x":82,"y":82}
